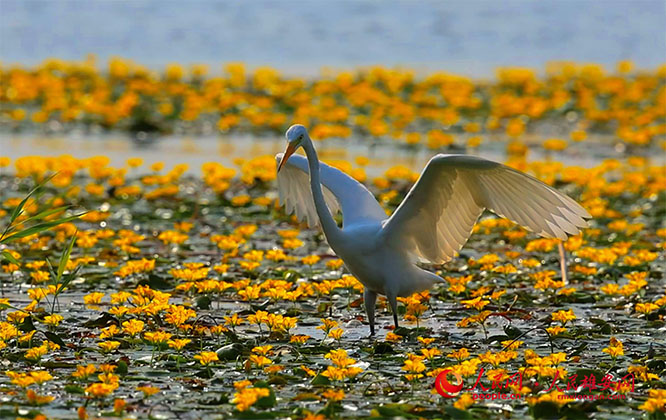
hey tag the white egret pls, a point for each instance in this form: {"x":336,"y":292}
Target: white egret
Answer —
{"x":432,"y":223}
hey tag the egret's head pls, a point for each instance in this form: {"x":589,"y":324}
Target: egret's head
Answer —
{"x":296,"y":136}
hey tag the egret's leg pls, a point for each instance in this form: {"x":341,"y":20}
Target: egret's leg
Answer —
{"x":369,"y":300}
{"x":563,"y":262}
{"x":393,"y":301}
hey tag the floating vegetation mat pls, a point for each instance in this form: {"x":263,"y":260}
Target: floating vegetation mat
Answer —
{"x":196,"y":297}
{"x":378,"y":103}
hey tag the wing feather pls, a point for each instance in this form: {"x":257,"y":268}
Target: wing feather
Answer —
{"x":438,"y":214}
{"x":341,"y":193}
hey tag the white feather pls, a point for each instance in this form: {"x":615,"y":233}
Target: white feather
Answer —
{"x":341,"y":193}
{"x":438,"y":214}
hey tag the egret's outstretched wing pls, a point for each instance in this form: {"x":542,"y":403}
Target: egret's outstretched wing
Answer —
{"x":341,"y":192}
{"x":436,"y":218}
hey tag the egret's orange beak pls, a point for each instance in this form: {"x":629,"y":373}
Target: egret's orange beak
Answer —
{"x":285,"y":157}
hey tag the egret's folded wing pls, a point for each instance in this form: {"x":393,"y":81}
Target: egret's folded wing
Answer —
{"x":436,"y":218}
{"x":341,"y":193}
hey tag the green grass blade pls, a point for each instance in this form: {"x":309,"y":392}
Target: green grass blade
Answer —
{"x":19,"y":209}
{"x":68,"y":279}
{"x":38,"y":228}
{"x":38,"y":216}
{"x":64,"y":258}
{"x":9,"y":257}
{"x":47,"y":213}
{"x":51,"y":270}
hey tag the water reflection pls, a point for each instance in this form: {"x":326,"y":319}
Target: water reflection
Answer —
{"x":196,"y":151}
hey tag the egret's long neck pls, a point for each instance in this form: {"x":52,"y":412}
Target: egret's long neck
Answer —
{"x":328,"y":224}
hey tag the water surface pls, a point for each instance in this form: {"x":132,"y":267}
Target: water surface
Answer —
{"x":467,"y":37}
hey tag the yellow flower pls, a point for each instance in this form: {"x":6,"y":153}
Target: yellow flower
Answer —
{"x":392,"y":337}
{"x":339,"y":358}
{"x":310,"y":260}
{"x":178,"y":344}
{"x":177,"y":315}
{"x":20,"y":379}
{"x":563,"y":316}
{"x":292,"y":243}
{"x":460,"y":354}
{"x":615,"y":349}
{"x":54,"y":319}
{"x":249,"y":265}
{"x":133,"y":327}
{"x":273,"y":369}
{"x":334,"y":264}
{"x":656,"y":401}
{"x":83,"y":372}
{"x":556,"y":330}
{"x":259,"y":360}
{"x":157,"y":337}
{"x":36,"y":353}
{"x":206,"y":357}
{"x":172,"y":237}
{"x":414,"y":366}
{"x":646,"y":308}
{"x":40,"y":376}
{"x":134,"y":162}
{"x":312,"y":416}
{"x":430,"y":353}
{"x":34,"y":398}
{"x":334,"y":394}
{"x":610,"y":289}
{"x":119,"y":405}
{"x":27,"y":336}
{"x":148,"y":390}
{"x":299,"y":339}
{"x":240,"y":200}
{"x":335,"y":333}
{"x":505,"y":269}
{"x":93,"y":298}
{"x":40,"y":276}
{"x":464,"y":401}
{"x":99,"y":389}
{"x":107,"y":368}
{"x":425,"y":341}
{"x":578,"y":135}
{"x":233,"y":320}
{"x":157,"y":166}
{"x":328,"y":324}
{"x":555,"y":144}
{"x":109,"y":346}
{"x":246,"y":397}
{"x":263,"y":350}
{"x":477,"y":303}
{"x":120,"y":297}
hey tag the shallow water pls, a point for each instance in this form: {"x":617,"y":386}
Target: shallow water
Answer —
{"x":197,"y":150}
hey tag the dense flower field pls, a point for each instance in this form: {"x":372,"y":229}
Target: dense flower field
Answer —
{"x":189,"y":296}
{"x":568,"y":100}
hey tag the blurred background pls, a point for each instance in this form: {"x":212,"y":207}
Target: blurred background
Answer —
{"x":193,"y":106}
{"x":299,"y":37}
